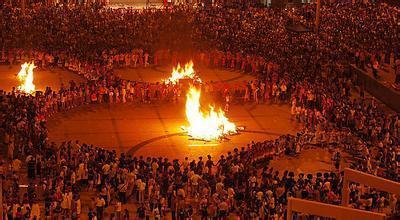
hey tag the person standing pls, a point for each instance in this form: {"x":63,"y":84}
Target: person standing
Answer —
{"x":77,"y":206}
{"x":91,"y":215}
{"x":247,"y":94}
{"x":66,"y":203}
{"x":283,"y":88}
{"x":141,"y":186}
{"x":118,"y":209}
{"x":35,"y":212}
{"x":126,"y":215}
{"x":122,"y":188}
{"x":336,"y":159}
{"x":173,"y":206}
{"x":255,"y":94}
{"x":31,"y":168}
{"x":135,"y":58}
{"x":227,"y":101}
{"x":375,"y":67}
{"x":100,"y":203}
{"x":397,"y":72}
{"x":141,"y":212}
{"x":146,"y":59}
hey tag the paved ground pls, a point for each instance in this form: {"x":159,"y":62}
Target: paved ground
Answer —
{"x":311,"y":160}
{"x":121,"y":127}
{"x":155,"y":130}
{"x":42,"y":78}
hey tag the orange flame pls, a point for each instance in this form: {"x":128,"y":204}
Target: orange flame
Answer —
{"x":186,"y":72}
{"x":209,"y":125}
{"x":25,"y":77}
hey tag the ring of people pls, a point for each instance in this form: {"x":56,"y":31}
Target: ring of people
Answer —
{"x":209,"y":110}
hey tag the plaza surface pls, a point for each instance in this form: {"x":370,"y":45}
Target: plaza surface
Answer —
{"x":155,"y":129}
{"x":49,"y":77}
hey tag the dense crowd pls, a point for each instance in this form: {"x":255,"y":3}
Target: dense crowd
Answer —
{"x":310,"y":71}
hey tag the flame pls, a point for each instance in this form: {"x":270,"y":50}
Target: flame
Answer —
{"x":209,"y":125}
{"x":25,"y":77}
{"x":186,"y":72}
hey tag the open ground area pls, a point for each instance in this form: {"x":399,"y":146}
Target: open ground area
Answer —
{"x":53,"y":77}
{"x":155,"y":129}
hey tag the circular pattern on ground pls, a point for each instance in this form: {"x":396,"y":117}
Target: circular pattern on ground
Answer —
{"x":154,"y":129}
{"x":103,"y":125}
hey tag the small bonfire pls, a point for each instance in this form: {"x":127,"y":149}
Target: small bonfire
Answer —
{"x":185,"y":72}
{"x":25,"y":77}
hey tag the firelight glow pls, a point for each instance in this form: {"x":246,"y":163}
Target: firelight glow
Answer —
{"x":186,"y":72}
{"x":209,"y":125}
{"x":25,"y":77}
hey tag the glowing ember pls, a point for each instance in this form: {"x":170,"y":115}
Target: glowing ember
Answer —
{"x":209,"y":125}
{"x":25,"y":77}
{"x":186,"y":72}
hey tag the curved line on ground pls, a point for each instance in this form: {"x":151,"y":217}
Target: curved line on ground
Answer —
{"x":146,"y":142}
{"x":136,"y":147}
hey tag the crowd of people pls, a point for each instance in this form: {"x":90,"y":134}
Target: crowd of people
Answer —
{"x":308,"y":70}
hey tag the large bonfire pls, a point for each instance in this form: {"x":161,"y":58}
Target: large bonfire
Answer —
{"x":208,"y":125}
{"x":25,"y":77}
{"x":203,"y":125}
{"x":185,"y":72}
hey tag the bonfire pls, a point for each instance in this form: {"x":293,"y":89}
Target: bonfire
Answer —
{"x":185,"y":72}
{"x":205,"y":125}
{"x":25,"y":77}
